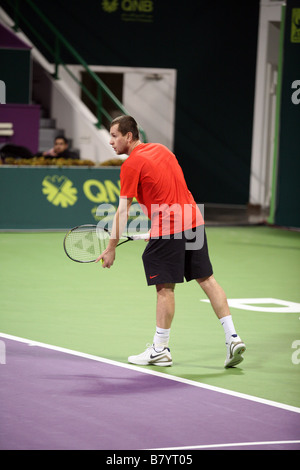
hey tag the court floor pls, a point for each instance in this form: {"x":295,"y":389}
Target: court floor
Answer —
{"x":67,"y":330}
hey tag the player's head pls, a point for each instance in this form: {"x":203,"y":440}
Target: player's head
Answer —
{"x":126,"y":124}
{"x":124,"y":134}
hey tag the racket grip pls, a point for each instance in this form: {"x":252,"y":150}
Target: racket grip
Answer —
{"x":141,"y":236}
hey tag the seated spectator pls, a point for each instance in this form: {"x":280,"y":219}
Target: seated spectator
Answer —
{"x":60,"y":149}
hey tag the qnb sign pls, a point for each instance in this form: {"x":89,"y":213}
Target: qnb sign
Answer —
{"x":2,"y":92}
{"x":145,"y":6}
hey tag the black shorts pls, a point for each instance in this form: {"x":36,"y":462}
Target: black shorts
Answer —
{"x":172,"y":258}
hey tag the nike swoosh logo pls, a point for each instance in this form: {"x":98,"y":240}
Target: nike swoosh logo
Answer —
{"x":155,"y":356}
{"x":151,"y":277}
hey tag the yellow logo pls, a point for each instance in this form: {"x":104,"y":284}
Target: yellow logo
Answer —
{"x":295,"y":30}
{"x":59,"y":191}
{"x":110,"y":5}
{"x":130,"y":10}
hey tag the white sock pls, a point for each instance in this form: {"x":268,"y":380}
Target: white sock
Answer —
{"x":228,"y":326}
{"x":161,"y":338}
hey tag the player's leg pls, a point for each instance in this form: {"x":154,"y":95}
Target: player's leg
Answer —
{"x":165,"y":310}
{"x":164,"y":267}
{"x":165,"y":307}
{"x":216,"y":295}
{"x":198,"y":266}
{"x":235,"y":346}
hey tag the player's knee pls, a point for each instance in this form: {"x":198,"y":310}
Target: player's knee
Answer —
{"x":206,"y":281}
{"x":165,"y":287}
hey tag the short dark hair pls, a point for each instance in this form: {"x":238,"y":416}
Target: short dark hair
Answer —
{"x":127,"y":124}
{"x":62,"y":137}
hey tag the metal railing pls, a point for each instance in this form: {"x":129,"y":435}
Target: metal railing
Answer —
{"x":55,"y":52}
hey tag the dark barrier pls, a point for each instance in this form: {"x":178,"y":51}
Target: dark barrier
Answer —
{"x":213,"y":47}
{"x":55,"y":198}
{"x":287,"y":203}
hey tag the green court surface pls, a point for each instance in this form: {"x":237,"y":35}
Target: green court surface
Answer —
{"x":48,"y":298}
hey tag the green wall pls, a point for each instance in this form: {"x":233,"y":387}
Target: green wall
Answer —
{"x":213,"y":47}
{"x":50,"y":198}
{"x":287,"y":189}
{"x":15,"y":71}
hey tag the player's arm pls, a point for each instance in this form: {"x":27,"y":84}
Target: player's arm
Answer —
{"x":119,"y":224}
{"x":120,"y":221}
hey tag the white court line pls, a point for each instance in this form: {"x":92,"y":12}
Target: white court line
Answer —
{"x":234,"y":444}
{"x":151,"y":372}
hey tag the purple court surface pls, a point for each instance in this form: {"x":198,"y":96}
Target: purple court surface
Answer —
{"x":59,"y":400}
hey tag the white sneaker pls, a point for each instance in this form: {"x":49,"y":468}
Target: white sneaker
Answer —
{"x":151,"y":357}
{"x":235,"y":349}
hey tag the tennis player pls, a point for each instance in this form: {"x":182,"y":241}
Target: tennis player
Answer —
{"x":177,"y":248}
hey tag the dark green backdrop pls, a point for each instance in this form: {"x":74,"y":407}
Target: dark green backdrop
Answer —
{"x":17,"y":67}
{"x":287,"y":210}
{"x":213,"y":47}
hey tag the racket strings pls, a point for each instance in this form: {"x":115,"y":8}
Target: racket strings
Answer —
{"x":86,"y":244}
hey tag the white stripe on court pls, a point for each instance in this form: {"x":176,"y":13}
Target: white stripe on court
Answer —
{"x":151,"y":372}
{"x":233,"y":444}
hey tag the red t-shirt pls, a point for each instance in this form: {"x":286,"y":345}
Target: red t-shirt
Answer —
{"x":154,"y":177}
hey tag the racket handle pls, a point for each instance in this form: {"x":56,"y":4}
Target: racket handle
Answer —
{"x":141,"y":236}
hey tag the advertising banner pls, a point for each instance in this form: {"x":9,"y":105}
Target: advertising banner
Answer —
{"x":55,"y":198}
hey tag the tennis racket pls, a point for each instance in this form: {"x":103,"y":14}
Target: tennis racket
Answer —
{"x":85,"y":243}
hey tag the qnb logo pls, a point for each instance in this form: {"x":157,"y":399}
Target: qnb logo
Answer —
{"x":2,"y":352}
{"x":295,"y":27}
{"x":2,"y":92}
{"x":110,"y":5}
{"x":141,"y":6}
{"x":59,"y":190}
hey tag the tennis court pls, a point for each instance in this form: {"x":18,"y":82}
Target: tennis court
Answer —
{"x":67,"y":330}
